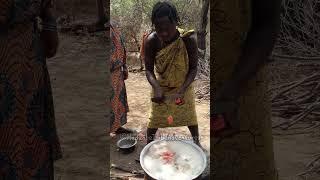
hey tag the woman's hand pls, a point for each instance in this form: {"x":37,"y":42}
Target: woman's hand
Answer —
{"x":50,"y":42}
{"x":224,"y":120}
{"x":125,"y":72}
{"x":178,"y":98}
{"x":158,"y":96}
{"x":177,"y":95}
{"x":222,"y":127}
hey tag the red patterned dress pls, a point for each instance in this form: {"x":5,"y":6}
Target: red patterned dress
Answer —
{"x":28,"y":139}
{"x":118,"y":99}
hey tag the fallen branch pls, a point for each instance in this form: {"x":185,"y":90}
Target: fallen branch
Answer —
{"x":302,"y":115}
{"x":312,"y":167}
{"x":297,"y":58}
{"x":294,"y":85}
{"x":127,"y":170}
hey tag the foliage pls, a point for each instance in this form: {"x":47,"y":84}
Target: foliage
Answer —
{"x":133,"y":16}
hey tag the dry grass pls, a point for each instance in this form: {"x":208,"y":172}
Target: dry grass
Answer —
{"x":300,"y":28}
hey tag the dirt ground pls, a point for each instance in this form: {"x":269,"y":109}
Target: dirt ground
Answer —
{"x":294,"y":152}
{"x":78,"y":76}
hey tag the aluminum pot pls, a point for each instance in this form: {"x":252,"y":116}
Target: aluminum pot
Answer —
{"x":127,"y":144}
{"x":187,"y":143}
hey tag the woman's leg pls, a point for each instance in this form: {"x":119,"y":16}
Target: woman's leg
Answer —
{"x":151,"y":132}
{"x":194,"y":130}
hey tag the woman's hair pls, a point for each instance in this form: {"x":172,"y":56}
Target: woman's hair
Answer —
{"x":162,"y":9}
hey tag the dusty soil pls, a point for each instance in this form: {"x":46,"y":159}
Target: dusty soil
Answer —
{"x":78,"y":76}
{"x":294,"y":152}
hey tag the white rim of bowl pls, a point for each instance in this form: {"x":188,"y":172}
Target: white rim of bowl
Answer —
{"x":135,"y":142}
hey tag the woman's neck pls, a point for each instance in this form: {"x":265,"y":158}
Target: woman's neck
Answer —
{"x":176,"y":36}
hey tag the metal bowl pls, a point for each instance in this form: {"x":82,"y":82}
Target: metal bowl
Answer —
{"x":187,"y":143}
{"x":127,"y":144}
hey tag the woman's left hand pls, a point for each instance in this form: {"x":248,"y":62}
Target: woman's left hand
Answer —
{"x":125,"y":73}
{"x":50,"y":42}
{"x":178,"y":98}
{"x":225,"y":119}
{"x":179,"y":94}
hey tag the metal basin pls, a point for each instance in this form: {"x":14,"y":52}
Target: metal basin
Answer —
{"x":186,"y":143}
{"x":127,"y":144}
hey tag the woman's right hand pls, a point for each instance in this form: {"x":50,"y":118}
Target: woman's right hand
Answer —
{"x":225,"y":119}
{"x":224,"y":125}
{"x":50,"y":41}
{"x":158,"y":96}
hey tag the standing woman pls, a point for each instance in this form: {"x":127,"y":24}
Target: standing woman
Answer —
{"x":119,"y":73}
{"x":28,"y":139}
{"x":245,"y":32}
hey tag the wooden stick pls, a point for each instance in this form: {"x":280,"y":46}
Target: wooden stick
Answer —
{"x":281,"y":86}
{"x":317,"y":124}
{"x":303,"y":114}
{"x":299,"y":58}
{"x":290,"y":134}
{"x":280,"y":103}
{"x":294,"y":86}
{"x":298,"y":118}
{"x":125,"y":169}
{"x":276,"y":87}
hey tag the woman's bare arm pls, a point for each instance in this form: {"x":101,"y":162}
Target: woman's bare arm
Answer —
{"x":192,"y":49}
{"x":258,"y":46}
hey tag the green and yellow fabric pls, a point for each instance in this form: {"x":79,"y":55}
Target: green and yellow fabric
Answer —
{"x":249,"y":154}
{"x":171,"y":67}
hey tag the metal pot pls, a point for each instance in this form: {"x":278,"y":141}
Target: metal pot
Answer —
{"x":187,"y":143}
{"x":127,"y":144}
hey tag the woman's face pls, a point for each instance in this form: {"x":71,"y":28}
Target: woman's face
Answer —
{"x":165,"y":29}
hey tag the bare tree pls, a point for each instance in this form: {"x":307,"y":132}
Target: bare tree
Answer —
{"x":201,"y":34}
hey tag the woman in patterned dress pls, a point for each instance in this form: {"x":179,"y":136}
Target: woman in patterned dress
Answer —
{"x":119,"y":73}
{"x":28,"y":140}
{"x":244,"y":33}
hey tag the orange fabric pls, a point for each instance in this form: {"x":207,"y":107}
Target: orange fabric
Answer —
{"x":144,"y":37}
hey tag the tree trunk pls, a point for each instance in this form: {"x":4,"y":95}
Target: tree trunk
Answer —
{"x":201,"y":34}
